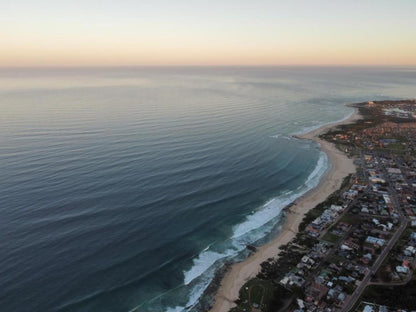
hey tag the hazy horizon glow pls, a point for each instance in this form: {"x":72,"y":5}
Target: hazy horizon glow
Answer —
{"x":185,"y":32}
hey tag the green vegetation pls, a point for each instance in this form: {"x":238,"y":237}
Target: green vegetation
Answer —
{"x":331,"y":238}
{"x":384,"y":274}
{"x":350,"y":218}
{"x":397,"y":296}
{"x":265,"y":293}
{"x":289,"y":257}
{"x":256,"y":293}
{"x":333,"y":199}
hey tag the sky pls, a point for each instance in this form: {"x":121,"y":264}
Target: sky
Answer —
{"x":207,"y":32}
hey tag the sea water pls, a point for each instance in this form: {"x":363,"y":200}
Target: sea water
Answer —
{"x":127,"y":188}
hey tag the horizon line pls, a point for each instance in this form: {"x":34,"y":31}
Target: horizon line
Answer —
{"x":199,"y":65}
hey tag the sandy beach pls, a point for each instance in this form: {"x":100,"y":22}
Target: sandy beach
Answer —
{"x":340,"y":167}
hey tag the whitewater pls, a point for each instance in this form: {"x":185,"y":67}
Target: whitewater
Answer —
{"x":130,"y":192}
{"x":255,"y":227}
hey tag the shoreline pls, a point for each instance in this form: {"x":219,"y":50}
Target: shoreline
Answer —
{"x":339,"y":167}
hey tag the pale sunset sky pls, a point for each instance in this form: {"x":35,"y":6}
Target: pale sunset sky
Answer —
{"x":207,"y":32}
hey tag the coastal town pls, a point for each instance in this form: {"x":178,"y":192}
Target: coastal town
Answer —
{"x":353,"y":250}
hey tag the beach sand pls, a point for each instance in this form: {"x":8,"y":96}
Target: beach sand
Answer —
{"x":239,"y":273}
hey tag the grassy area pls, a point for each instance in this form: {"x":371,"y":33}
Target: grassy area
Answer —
{"x":397,"y":296}
{"x":255,"y":293}
{"x":383,"y":273}
{"x":350,"y":218}
{"x":396,"y":146}
{"x":331,"y":238}
{"x":346,"y":218}
{"x":336,"y":259}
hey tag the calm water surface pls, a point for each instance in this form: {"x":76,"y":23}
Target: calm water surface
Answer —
{"x":128,"y":187}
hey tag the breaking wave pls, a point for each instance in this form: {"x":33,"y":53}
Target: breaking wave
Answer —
{"x":255,"y":227}
{"x":317,"y":124}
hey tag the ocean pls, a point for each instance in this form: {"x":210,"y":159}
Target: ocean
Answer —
{"x":126,"y":189}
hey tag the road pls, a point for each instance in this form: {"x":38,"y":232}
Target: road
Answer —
{"x":380,"y":259}
{"x":358,"y":291}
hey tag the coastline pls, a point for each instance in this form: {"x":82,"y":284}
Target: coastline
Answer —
{"x":340,"y":166}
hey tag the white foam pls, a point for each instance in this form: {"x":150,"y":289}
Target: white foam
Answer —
{"x":320,"y":168}
{"x":240,"y":238}
{"x":196,"y":293}
{"x":319,"y":125}
{"x":282,"y":136}
{"x":200,"y":283}
{"x":269,"y":211}
{"x":245,"y":233}
{"x":274,"y":207}
{"x":276,"y":136}
{"x":203,"y":262}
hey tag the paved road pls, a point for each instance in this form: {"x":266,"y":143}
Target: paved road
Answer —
{"x":380,"y":259}
{"x":357,"y":293}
